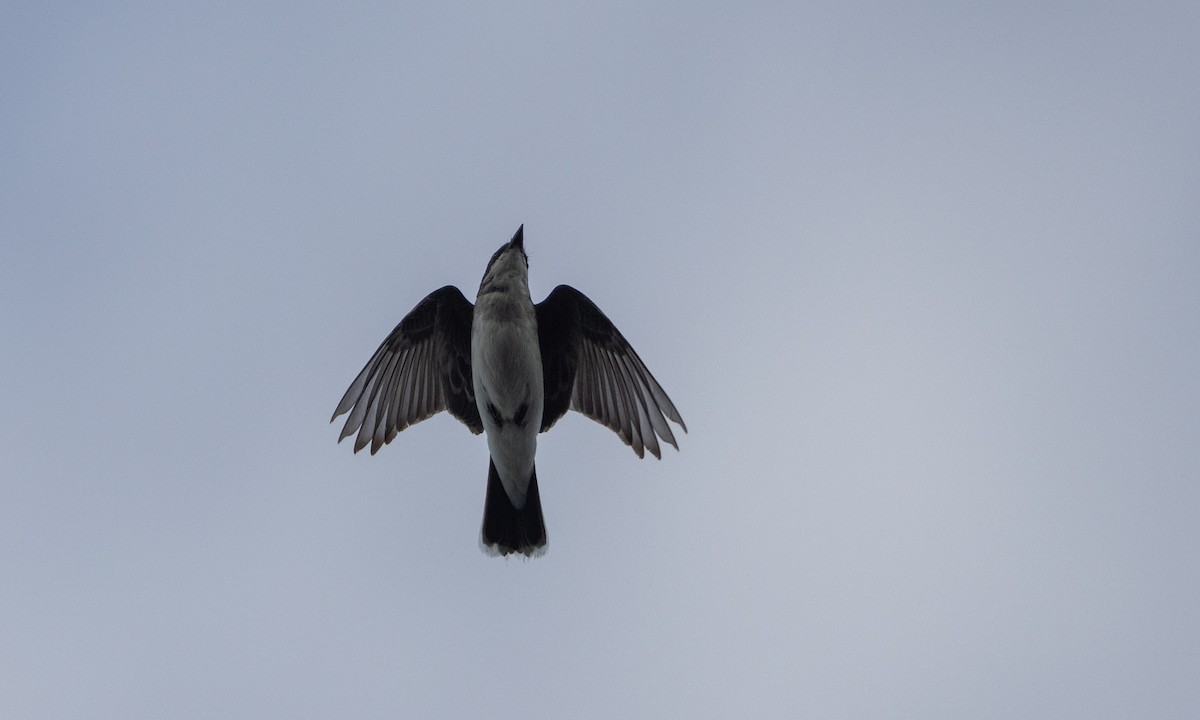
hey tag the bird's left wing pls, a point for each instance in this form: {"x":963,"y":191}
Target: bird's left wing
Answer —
{"x":587,"y":365}
{"x":422,"y":368}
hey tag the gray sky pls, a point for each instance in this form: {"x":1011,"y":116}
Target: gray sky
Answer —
{"x":923,"y":280}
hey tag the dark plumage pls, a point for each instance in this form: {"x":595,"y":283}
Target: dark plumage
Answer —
{"x":538,"y":361}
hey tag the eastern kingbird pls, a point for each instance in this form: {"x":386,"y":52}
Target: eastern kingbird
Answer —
{"x":509,"y":368}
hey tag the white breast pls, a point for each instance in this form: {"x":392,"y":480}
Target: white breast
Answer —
{"x":506,"y":365}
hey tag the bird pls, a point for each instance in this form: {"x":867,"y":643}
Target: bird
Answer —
{"x":511,"y":369}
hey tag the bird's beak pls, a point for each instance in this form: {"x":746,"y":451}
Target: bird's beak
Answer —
{"x":518,"y":240}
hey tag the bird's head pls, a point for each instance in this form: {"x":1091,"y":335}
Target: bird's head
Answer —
{"x":509,"y":262}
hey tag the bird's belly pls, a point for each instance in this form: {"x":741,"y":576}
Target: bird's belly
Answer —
{"x":507,"y":376}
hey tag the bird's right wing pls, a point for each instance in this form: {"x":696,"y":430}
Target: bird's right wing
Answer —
{"x":422,"y":368}
{"x":589,"y":366}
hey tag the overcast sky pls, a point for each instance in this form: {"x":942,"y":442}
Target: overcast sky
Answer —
{"x":923,"y":280}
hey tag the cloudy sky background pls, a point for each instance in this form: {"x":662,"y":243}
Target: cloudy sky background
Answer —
{"x":923,"y":279}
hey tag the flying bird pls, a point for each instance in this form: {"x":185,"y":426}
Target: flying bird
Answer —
{"x":511,"y":369}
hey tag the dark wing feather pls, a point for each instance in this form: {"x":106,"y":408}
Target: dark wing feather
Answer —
{"x":588,"y":366}
{"x":422,"y":368}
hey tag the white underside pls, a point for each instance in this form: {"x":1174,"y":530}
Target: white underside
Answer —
{"x":506,"y":365}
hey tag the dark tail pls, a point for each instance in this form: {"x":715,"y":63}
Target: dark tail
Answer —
{"x":509,"y":530}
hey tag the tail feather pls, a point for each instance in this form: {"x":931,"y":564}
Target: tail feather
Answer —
{"x":508,"y":530}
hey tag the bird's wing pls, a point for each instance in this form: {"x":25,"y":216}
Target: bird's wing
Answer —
{"x":422,"y":368}
{"x":588,"y":366}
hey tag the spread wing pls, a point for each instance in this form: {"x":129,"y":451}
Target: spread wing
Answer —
{"x":422,"y":368}
{"x":590,"y":367}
